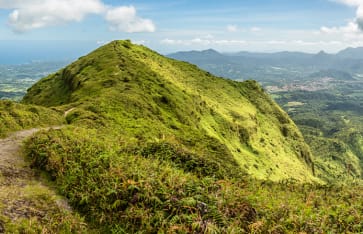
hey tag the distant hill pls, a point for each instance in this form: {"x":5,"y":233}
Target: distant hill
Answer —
{"x":351,"y":53}
{"x":205,"y":56}
{"x":233,"y":65}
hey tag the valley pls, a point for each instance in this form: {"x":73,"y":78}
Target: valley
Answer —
{"x":321,"y":92}
{"x":16,"y":79}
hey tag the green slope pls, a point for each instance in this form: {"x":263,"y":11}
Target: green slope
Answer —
{"x":156,"y":145}
{"x":15,"y":116}
{"x":151,"y":99}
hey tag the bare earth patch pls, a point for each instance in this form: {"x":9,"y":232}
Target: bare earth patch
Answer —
{"x":25,"y":201}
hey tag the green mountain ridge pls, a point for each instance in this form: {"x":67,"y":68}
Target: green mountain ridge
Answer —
{"x":150,"y":98}
{"x":154,"y":145}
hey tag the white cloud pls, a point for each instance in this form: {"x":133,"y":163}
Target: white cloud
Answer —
{"x":359,"y":19}
{"x":140,"y":42}
{"x":125,"y":19}
{"x":351,"y":2}
{"x":11,"y":4}
{"x":102,"y":42}
{"x":255,"y":29}
{"x":232,"y":28}
{"x":350,"y":28}
{"x":168,"y":41}
{"x":304,"y":43}
{"x":355,"y":26}
{"x":208,"y":36}
{"x":33,"y":14}
{"x":201,"y":41}
{"x":275,"y":42}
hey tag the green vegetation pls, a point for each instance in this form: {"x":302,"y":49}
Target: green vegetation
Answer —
{"x":119,"y":190}
{"x":15,"y":116}
{"x":332,"y":126}
{"x":322,"y":93}
{"x":147,"y":98}
{"x":160,"y":145}
{"x":154,"y":145}
{"x":34,"y":209}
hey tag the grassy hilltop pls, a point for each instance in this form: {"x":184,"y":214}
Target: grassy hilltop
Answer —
{"x":154,"y":145}
{"x":150,"y":99}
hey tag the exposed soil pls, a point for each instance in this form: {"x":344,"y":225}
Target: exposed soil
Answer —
{"x":69,"y":111}
{"x":22,"y":193}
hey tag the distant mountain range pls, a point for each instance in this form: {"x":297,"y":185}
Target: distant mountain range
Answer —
{"x":351,"y":53}
{"x":348,"y":53}
{"x":349,"y":60}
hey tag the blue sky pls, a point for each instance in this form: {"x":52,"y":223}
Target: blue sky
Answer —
{"x":168,"y":26}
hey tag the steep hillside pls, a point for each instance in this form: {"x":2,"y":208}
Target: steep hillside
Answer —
{"x":15,"y":116}
{"x":151,"y":99}
{"x":321,"y":92}
{"x":155,"y":145}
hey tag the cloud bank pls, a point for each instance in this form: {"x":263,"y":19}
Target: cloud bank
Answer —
{"x":354,"y":26}
{"x":232,"y":28}
{"x":125,"y":19}
{"x":201,"y":41}
{"x":34,"y":14}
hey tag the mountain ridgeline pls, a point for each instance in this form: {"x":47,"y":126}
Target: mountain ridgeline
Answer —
{"x":348,"y":59}
{"x":263,"y":66}
{"x":222,"y":127}
{"x":149,"y":144}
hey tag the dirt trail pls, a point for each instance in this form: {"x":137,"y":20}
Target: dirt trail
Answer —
{"x":10,"y":156}
{"x":22,"y":193}
{"x":10,"y":147}
{"x":68,"y":111}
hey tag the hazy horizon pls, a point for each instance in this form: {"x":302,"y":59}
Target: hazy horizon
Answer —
{"x":27,"y":51}
{"x":182,"y":25}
